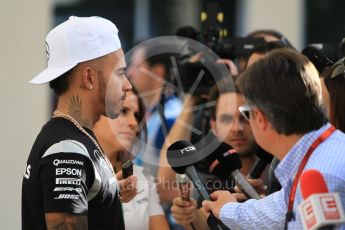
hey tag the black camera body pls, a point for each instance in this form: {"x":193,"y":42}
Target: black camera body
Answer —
{"x":189,"y":77}
{"x":237,"y":47}
{"x":224,"y":48}
{"x":229,"y":48}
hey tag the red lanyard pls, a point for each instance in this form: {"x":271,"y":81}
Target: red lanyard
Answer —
{"x":311,"y":149}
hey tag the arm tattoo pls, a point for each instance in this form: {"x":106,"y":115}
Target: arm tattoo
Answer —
{"x":74,"y":110}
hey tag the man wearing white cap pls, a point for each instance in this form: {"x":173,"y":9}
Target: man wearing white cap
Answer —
{"x":68,"y":182}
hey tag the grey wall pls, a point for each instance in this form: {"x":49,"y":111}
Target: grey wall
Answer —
{"x":24,"y":107}
{"x":286,"y":16}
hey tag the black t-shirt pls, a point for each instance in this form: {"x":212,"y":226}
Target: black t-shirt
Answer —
{"x":66,"y":173}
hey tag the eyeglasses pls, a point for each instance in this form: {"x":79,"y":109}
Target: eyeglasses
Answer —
{"x":338,"y":68}
{"x":245,"y":110}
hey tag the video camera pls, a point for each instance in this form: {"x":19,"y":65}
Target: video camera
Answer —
{"x":227,"y":48}
{"x":215,"y":37}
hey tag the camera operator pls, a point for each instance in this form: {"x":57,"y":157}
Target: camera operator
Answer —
{"x":268,"y":36}
{"x":261,"y":50}
{"x":333,"y":83}
{"x":271,"y":36}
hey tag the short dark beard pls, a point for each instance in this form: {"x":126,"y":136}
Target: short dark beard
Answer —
{"x":250,"y":153}
{"x":102,"y":96}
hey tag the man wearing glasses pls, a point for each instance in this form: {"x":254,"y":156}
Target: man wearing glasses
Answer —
{"x":285,"y":111}
{"x":231,"y":127}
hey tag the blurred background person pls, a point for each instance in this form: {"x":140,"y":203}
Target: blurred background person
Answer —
{"x":149,"y":72}
{"x":120,"y":138}
{"x":268,"y":36}
{"x":333,"y":92}
{"x":260,"y":51}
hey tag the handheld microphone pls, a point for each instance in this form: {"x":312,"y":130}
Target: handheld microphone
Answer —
{"x":320,"y":209}
{"x":228,"y":164}
{"x":178,"y":155}
{"x":264,"y":159}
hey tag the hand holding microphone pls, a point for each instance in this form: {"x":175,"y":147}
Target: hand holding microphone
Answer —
{"x":184,"y":207}
{"x":178,"y":156}
{"x":219,"y":199}
{"x":183,"y":211}
{"x":320,"y":209}
{"x":257,"y":184}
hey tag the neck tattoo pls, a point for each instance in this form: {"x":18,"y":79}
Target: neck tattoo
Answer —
{"x":74,"y":110}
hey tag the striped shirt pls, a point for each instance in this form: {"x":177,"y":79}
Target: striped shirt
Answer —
{"x":269,"y":213}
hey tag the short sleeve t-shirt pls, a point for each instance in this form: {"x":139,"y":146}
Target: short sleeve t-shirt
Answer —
{"x":66,"y":173}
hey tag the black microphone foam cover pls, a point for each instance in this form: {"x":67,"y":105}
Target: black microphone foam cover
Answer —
{"x":222,"y":148}
{"x":228,"y":161}
{"x":179,"y":154}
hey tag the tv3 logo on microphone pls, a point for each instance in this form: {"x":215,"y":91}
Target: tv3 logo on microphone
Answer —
{"x":188,"y":149}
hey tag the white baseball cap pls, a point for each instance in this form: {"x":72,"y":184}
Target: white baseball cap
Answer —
{"x":77,"y":40}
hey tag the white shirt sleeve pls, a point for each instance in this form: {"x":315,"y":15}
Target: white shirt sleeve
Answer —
{"x":267,"y":213}
{"x":145,"y":204}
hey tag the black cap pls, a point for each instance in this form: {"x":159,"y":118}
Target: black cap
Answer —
{"x":321,"y":55}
